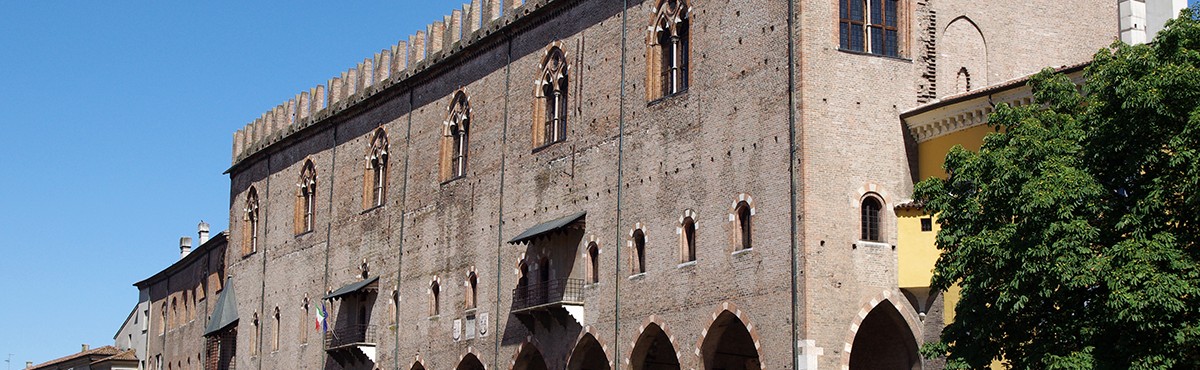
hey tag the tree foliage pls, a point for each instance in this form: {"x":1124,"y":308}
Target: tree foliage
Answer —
{"x":1073,"y":232}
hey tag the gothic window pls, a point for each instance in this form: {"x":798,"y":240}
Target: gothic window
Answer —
{"x":306,"y":198}
{"x":742,"y":211}
{"x":275,"y":331}
{"x":687,"y":237}
{"x":593,"y":253}
{"x":257,"y":335}
{"x":434,"y":297}
{"x":455,"y":138}
{"x":871,"y":207}
{"x":375,"y":178}
{"x":639,"y":250}
{"x":550,"y":106}
{"x":304,"y":317}
{"x":963,"y":81}
{"x":870,"y":26}
{"x":668,"y":53}
{"x":250,"y":228}
{"x":472,"y":291}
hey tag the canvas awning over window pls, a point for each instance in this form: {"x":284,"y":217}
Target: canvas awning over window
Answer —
{"x":225,"y":313}
{"x":353,"y":288}
{"x":547,"y":227}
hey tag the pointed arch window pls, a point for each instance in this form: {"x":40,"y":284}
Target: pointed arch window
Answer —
{"x":455,"y":138}
{"x":639,"y":251}
{"x":435,"y":292}
{"x":275,"y":331}
{"x":687,"y":239}
{"x":472,"y":295}
{"x":550,"y":107}
{"x":593,"y":253}
{"x":306,"y":199}
{"x":668,"y":54}
{"x":871,"y":211}
{"x":250,"y":228}
{"x":744,"y":218}
{"x":375,"y":178}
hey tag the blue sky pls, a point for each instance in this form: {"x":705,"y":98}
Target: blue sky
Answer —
{"x":116,"y":120}
{"x":115,"y":126}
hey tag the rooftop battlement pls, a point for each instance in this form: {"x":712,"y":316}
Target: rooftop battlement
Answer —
{"x":388,"y":67}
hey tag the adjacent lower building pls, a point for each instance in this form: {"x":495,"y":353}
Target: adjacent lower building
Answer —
{"x":103,"y":358}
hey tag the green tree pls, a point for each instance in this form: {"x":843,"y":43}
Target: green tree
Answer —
{"x":1073,"y":232}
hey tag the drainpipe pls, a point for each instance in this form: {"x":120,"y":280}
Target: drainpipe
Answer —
{"x":793,"y":106}
{"x":620,"y":177}
{"x":500,"y":211}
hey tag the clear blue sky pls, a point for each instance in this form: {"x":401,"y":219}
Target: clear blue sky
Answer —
{"x":116,"y":120}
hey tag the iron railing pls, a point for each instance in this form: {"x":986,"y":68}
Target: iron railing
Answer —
{"x":544,"y":293}
{"x":349,"y":334}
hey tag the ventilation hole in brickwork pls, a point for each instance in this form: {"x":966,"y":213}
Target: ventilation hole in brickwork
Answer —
{"x":739,"y":40}
{"x":772,"y":28}
{"x":738,"y":13}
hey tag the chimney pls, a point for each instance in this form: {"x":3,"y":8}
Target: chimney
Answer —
{"x":203,"y":232}
{"x":185,"y":246}
{"x":85,"y":347}
{"x":28,"y":364}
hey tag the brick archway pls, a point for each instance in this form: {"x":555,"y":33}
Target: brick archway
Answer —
{"x":654,"y":323}
{"x":469,"y":361}
{"x":732,"y":310}
{"x":587,"y":338}
{"x":892,"y":298}
{"x":528,"y":357}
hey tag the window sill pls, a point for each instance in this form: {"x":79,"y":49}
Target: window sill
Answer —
{"x":637,"y":276}
{"x":742,"y":251}
{"x":470,"y":311}
{"x":434,"y":317}
{"x":372,"y":209}
{"x":686,"y":264}
{"x":547,"y":145}
{"x":453,"y":179}
{"x":247,"y":255}
{"x":682,"y":95}
{"x":303,"y":233}
{"x":869,"y":243}
{"x":863,"y":53}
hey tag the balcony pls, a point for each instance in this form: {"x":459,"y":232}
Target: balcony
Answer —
{"x":552,"y":296}
{"x":351,"y":344}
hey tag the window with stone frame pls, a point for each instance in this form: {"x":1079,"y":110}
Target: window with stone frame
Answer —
{"x":306,"y":199}
{"x":639,"y":251}
{"x":593,"y":256}
{"x":471,"y":296}
{"x":550,"y":103}
{"x":250,"y":225}
{"x":455,"y":138}
{"x":871,"y":212}
{"x":275,"y":331}
{"x":435,"y":292}
{"x":744,"y":217}
{"x":304,"y":319}
{"x":668,"y":49}
{"x":870,"y":26}
{"x":375,"y":176}
{"x":257,"y":334}
{"x":687,"y":237}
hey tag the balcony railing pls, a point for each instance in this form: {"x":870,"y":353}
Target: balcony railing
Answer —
{"x":342,"y":335}
{"x":548,"y":293}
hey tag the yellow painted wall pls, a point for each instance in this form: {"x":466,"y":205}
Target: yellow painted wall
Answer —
{"x":915,"y":248}
{"x":932,"y":153}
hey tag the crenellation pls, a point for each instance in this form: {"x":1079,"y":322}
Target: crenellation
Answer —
{"x":456,"y":27}
{"x":494,"y":11}
{"x":335,"y":89}
{"x":472,"y":14}
{"x":437,"y":32}
{"x":319,"y":101}
{"x":350,"y":83}
{"x":366,"y":73}
{"x":399,"y":58}
{"x":289,"y":113}
{"x":417,"y":46}
{"x":513,"y":4}
{"x":237,"y":145}
{"x":383,"y":65}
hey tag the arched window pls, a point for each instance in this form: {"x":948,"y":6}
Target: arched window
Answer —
{"x":963,"y":81}
{"x":639,"y":250}
{"x":250,"y":228}
{"x":871,"y":207}
{"x":275,"y":331}
{"x":375,"y":178}
{"x":744,"y":216}
{"x":455,"y":137}
{"x":174,"y":313}
{"x":550,"y":107}
{"x":593,"y":253}
{"x":304,"y":317}
{"x":434,"y":298}
{"x":687,"y":237}
{"x":306,"y":198}
{"x":870,"y":26}
{"x":472,"y":296}
{"x":162,"y":327}
{"x":257,"y":335}
{"x":667,"y":57}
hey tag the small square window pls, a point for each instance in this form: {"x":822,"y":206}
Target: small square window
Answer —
{"x":927,"y":224}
